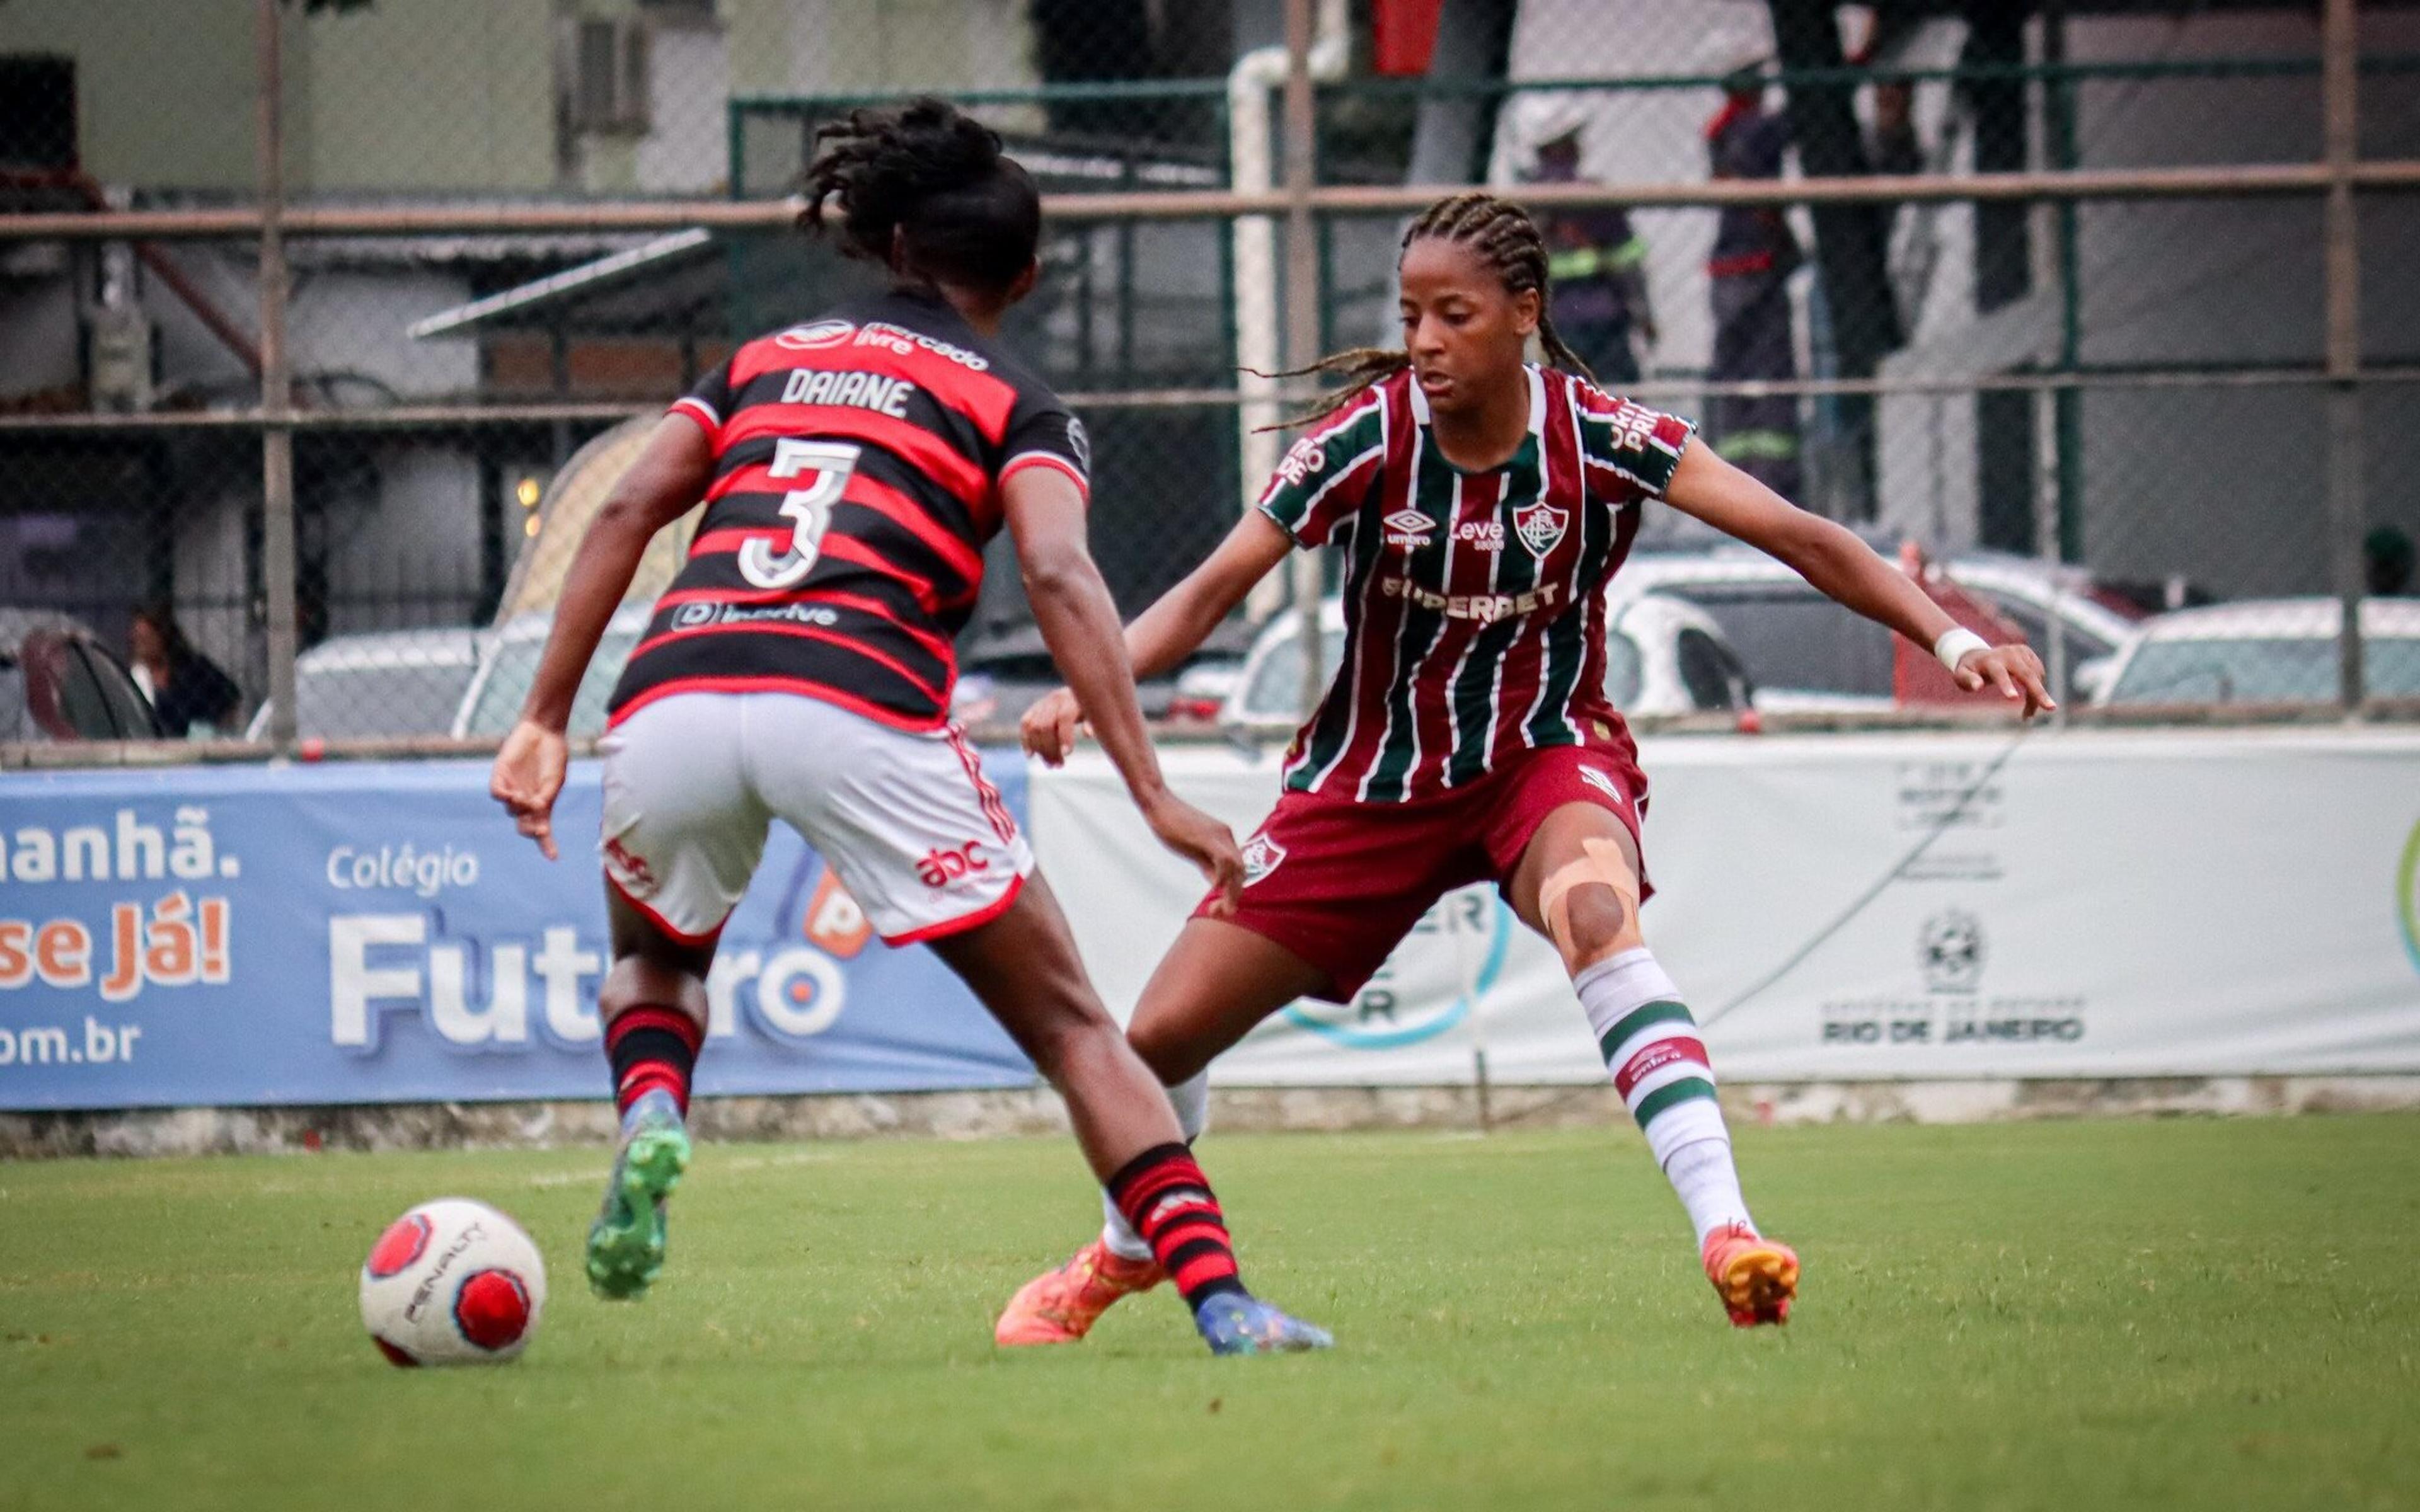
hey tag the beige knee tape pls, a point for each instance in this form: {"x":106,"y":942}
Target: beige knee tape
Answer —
{"x":1604,"y":864}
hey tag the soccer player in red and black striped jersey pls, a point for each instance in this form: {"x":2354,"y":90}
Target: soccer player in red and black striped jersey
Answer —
{"x":853,"y":468}
{"x":1479,"y":504}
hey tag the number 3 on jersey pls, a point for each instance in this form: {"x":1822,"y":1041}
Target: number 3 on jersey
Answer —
{"x":808,"y":509}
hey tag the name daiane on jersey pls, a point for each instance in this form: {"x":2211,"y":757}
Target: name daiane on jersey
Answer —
{"x":851,"y":390}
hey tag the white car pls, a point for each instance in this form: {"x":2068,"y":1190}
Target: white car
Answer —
{"x":510,"y":665}
{"x":1809,"y":653}
{"x":382,"y":684}
{"x":2266,"y":651}
{"x":1663,"y":657}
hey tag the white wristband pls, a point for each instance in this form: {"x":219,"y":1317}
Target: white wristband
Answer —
{"x":1956,"y":644}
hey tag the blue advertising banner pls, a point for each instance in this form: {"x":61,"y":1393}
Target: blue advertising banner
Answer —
{"x":377,"y":932}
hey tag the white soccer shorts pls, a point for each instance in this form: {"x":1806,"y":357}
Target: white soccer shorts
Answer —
{"x":904,"y":818}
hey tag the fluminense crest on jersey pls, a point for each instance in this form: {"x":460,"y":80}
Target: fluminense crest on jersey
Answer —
{"x":1260,"y":858}
{"x":1541,"y":527}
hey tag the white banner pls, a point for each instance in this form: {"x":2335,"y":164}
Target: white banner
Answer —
{"x":2106,"y":905}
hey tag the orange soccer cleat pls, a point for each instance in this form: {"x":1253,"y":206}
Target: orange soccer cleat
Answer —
{"x":1756,"y":1277}
{"x":1060,"y":1306}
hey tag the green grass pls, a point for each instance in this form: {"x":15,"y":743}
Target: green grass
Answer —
{"x":2067,"y":1316}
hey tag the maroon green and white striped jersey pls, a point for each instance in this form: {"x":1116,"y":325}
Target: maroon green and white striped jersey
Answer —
{"x":1474,"y":625}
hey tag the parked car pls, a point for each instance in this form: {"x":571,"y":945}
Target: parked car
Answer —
{"x":58,"y":682}
{"x":508,"y":665}
{"x":382,"y":684}
{"x":1002,"y":674}
{"x":2266,"y":651}
{"x":1663,"y":655}
{"x":1807,"y":653}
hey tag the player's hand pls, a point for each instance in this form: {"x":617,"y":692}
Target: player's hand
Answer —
{"x":1203,"y":840}
{"x":2014,"y":670}
{"x":527,"y":777}
{"x":1052,"y":726}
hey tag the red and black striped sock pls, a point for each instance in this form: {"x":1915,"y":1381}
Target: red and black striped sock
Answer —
{"x":652,"y":1047}
{"x":1166,"y":1200}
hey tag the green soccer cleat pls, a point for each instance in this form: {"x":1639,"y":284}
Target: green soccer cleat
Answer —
{"x":626,"y":1243}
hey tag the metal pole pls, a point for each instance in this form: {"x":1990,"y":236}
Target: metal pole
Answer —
{"x":1302,"y":301}
{"x":2338,"y":80}
{"x":278,"y":563}
{"x":2253,"y":180}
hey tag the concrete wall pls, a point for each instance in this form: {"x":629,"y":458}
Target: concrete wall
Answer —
{"x":460,"y":95}
{"x":164,"y":88}
{"x":434,"y":94}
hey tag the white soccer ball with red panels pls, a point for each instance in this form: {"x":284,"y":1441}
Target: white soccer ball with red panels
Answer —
{"x":452,"y":1282}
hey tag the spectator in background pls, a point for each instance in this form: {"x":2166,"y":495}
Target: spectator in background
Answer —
{"x":2386,"y":562}
{"x":189,"y":692}
{"x":1597,"y":265}
{"x":1754,"y":253}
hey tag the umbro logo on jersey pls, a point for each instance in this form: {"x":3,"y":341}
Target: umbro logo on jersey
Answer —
{"x":1541,"y":527}
{"x":815,"y":338}
{"x":1408,"y":527}
{"x":1260,"y":858}
{"x":1603,"y":784}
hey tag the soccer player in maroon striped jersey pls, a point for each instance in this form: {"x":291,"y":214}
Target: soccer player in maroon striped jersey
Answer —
{"x":853,"y":468}
{"x":1479,"y":504}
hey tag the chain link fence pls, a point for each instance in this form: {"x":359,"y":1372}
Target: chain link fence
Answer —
{"x":507,"y":233}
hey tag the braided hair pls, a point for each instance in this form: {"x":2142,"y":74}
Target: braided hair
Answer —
{"x":926,"y":191}
{"x":1507,"y":241}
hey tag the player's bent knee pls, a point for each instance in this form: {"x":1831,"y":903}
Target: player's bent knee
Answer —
{"x":1591,"y":905}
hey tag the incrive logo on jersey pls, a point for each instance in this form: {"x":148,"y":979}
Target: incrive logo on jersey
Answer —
{"x":815,"y":338}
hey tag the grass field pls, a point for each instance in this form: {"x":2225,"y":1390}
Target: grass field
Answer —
{"x":2076,"y":1314}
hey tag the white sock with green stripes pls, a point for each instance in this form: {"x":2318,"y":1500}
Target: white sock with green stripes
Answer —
{"x":1659,"y":1067}
{"x":1193,"y":1101}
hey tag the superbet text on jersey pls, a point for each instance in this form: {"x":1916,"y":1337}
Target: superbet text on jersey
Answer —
{"x":1474,"y":621}
{"x":858,"y":460}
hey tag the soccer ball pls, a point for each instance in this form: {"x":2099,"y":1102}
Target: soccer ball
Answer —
{"x":452,"y":1282}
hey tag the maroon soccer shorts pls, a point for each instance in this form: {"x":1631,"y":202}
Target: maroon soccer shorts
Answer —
{"x":1338,"y":882}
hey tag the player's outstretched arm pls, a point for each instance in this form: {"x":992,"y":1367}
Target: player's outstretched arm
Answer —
{"x":666,"y":481}
{"x":1172,"y":628}
{"x":1833,"y":559}
{"x":1079,"y":621}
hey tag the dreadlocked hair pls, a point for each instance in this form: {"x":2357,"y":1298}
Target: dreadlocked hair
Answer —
{"x":926,"y":191}
{"x":1507,"y":241}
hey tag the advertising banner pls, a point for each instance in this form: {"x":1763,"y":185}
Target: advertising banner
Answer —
{"x":1883,"y":906}
{"x":378,"y":933}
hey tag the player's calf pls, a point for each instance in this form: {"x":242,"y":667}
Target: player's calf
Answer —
{"x":1661,"y":1069}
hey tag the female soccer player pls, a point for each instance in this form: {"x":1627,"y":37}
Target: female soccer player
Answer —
{"x":1479,"y":503}
{"x":800,"y":669}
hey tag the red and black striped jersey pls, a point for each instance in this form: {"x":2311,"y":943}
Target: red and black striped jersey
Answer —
{"x":1474,"y":613}
{"x":858,"y":460}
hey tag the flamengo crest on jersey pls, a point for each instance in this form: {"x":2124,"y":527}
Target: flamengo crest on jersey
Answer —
{"x":858,"y":460}
{"x":1459,"y":650}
